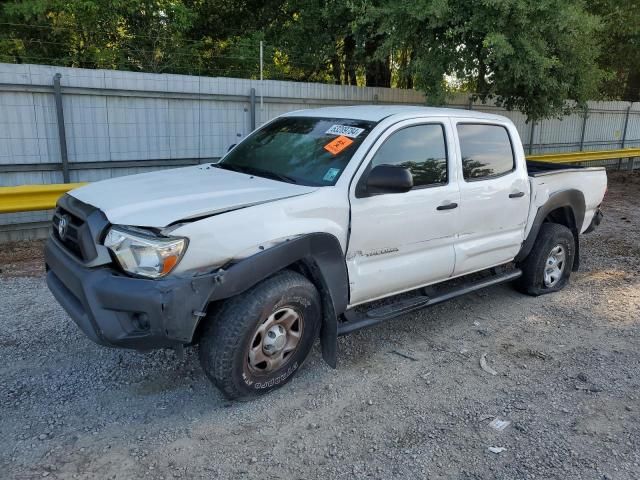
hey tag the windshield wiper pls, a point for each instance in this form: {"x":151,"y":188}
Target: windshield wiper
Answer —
{"x":276,"y":176}
{"x":229,"y":166}
{"x":256,"y":171}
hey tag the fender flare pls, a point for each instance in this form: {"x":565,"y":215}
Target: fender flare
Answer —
{"x":574,"y":199}
{"x":322,"y":259}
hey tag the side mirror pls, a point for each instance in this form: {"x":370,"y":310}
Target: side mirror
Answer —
{"x":231,"y":147}
{"x":389,"y":179}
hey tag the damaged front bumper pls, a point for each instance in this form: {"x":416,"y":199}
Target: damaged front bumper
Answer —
{"x":120,"y":311}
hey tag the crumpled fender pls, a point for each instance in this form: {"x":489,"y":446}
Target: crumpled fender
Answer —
{"x":322,"y":258}
{"x":574,"y":199}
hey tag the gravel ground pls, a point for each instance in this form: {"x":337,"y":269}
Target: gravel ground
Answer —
{"x":408,"y":400}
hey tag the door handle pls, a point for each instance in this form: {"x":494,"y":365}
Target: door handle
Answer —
{"x":516,"y":195}
{"x":447,"y":206}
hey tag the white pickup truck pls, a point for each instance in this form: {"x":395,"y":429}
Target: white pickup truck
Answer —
{"x":299,"y":231}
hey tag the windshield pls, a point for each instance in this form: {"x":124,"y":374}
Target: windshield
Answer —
{"x":304,"y":150}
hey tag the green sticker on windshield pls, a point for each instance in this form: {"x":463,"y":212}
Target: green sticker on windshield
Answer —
{"x":331,"y":174}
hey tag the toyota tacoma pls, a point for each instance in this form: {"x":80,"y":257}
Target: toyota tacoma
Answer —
{"x":319,"y":223}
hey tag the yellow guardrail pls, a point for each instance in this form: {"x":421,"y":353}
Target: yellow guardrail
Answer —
{"x":28,"y":198}
{"x":577,"y":157}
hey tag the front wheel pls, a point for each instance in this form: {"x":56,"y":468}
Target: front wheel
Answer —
{"x":548,"y":266}
{"x":259,"y":339}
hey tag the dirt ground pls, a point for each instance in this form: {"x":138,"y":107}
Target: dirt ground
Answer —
{"x":408,"y":399}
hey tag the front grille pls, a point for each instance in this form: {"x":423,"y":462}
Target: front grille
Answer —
{"x":71,"y":239}
{"x":85,"y":226}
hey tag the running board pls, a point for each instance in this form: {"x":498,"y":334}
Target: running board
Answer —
{"x":357,"y":320}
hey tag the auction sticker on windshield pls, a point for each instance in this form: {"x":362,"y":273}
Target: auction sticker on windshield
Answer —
{"x":331,"y":174}
{"x":345,"y":130}
{"x":338,"y":144}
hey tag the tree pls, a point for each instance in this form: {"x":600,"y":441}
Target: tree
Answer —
{"x":145,"y":35}
{"x":313,"y":41}
{"x":530,"y":55}
{"x":227,"y":34}
{"x":620,"y":47}
{"x":335,"y":39}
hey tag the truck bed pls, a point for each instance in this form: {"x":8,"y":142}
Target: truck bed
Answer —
{"x":540,"y":168}
{"x":546,"y":179}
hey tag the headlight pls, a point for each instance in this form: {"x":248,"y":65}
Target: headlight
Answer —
{"x":142,"y":253}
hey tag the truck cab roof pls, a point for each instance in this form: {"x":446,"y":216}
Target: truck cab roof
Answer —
{"x":376,"y":113}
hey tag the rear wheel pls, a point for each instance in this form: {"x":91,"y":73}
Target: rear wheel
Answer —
{"x":259,"y":339}
{"x":548,"y":266}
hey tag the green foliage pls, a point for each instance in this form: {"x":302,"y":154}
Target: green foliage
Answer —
{"x":145,"y":35}
{"x":620,"y":47}
{"x":531,"y":55}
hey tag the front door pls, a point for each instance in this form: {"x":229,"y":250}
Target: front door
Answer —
{"x":401,"y":241}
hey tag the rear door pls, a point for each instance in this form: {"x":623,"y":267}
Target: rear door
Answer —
{"x":401,"y":241}
{"x":494,"y":194}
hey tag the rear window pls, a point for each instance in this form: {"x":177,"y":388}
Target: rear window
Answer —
{"x":486,"y":151}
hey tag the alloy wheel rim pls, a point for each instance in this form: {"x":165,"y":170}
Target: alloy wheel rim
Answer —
{"x":275,"y":340}
{"x":554,"y":266}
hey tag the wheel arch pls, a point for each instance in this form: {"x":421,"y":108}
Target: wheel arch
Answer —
{"x":317,"y":256}
{"x":567,"y":208}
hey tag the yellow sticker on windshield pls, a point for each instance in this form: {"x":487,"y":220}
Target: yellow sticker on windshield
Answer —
{"x":338,"y":144}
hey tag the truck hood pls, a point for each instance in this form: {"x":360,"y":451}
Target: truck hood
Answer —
{"x":160,"y":198}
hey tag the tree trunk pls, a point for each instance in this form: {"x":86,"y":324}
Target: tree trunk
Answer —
{"x":336,"y":68}
{"x":349,"y":61}
{"x":632,"y":89}
{"x":377,"y":71}
{"x":481,"y":84}
{"x":405,"y":78}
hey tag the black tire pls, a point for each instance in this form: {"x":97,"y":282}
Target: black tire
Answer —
{"x":233,"y":330}
{"x":550,"y":236}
